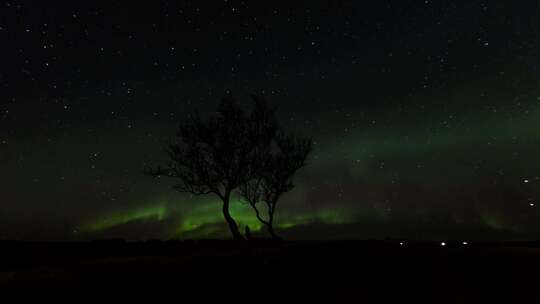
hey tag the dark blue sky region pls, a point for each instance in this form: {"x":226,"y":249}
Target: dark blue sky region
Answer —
{"x":425,"y":114}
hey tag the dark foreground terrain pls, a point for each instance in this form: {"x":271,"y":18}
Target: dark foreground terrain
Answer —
{"x":345,"y":271}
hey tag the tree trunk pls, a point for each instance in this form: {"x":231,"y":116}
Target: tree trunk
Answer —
{"x":233,"y":227}
{"x":272,"y":232}
{"x":270,"y":224}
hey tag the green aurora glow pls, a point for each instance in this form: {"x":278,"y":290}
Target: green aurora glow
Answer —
{"x":202,"y":217}
{"x":205,"y":219}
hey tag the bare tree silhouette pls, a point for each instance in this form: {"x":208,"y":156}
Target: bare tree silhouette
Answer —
{"x":220,"y":154}
{"x":280,"y":163}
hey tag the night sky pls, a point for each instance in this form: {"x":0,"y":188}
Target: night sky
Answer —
{"x":425,"y":114}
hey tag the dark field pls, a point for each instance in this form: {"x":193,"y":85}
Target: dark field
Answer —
{"x":341,"y":271}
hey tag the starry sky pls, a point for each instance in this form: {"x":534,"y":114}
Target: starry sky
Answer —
{"x":425,"y":114}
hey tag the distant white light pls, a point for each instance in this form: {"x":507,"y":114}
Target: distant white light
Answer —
{"x":526,"y":181}
{"x":465,"y":243}
{"x":531,"y":204}
{"x":443,"y":244}
{"x":401,"y":243}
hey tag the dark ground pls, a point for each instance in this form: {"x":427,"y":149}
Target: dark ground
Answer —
{"x":339,"y":271}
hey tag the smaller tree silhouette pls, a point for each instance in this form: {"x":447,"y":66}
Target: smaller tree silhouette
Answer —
{"x":274,"y":177}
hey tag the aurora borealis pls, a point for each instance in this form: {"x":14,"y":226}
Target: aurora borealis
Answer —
{"x":425,"y":115}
